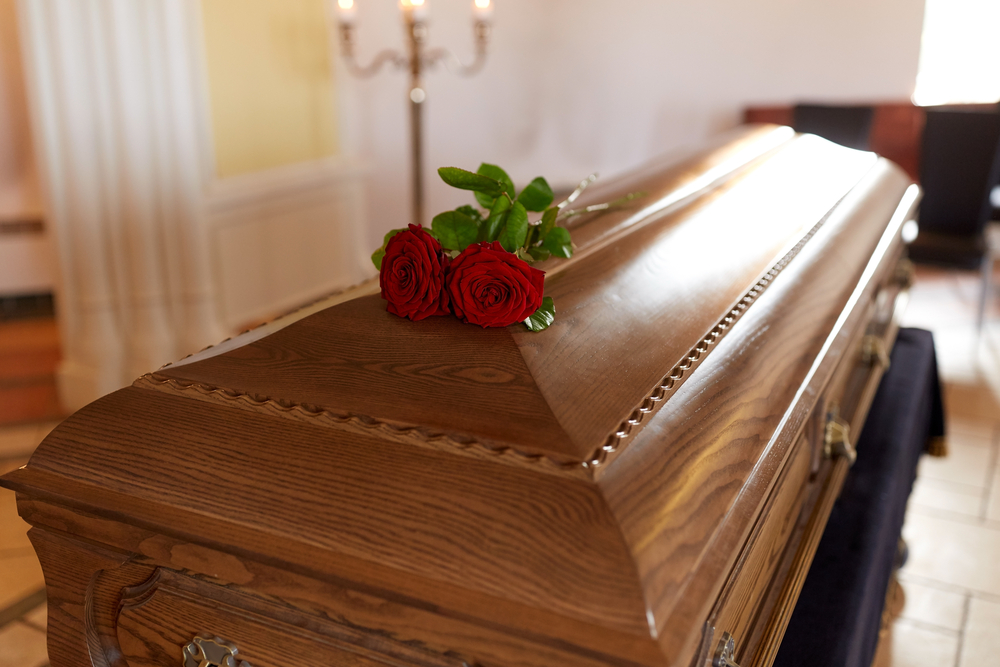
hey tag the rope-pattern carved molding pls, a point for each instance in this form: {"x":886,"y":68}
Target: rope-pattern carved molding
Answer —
{"x":363,"y":424}
{"x":655,"y":398}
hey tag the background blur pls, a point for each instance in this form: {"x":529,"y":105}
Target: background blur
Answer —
{"x":173,"y":171}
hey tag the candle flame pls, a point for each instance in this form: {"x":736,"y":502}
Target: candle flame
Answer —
{"x":482,"y":4}
{"x":345,"y":4}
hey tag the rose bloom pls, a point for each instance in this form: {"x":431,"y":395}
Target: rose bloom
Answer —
{"x":491,"y":287}
{"x":412,"y":275}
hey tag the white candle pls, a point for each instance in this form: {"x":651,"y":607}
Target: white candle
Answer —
{"x":346,"y":11}
{"x":482,"y":10}
{"x":415,"y":8}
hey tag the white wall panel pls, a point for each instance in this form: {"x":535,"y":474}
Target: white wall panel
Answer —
{"x":576,"y":86}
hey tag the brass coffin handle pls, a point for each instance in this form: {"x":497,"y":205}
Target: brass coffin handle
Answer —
{"x":837,"y":442}
{"x":210,"y":651}
{"x":725,"y":654}
{"x":905,"y":273}
{"x":873,"y":351}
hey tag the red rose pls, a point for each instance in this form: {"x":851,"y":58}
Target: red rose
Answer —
{"x":412,"y":275}
{"x":491,"y":287}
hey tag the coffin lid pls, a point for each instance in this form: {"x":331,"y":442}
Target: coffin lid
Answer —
{"x":353,"y":444}
{"x":647,"y":286}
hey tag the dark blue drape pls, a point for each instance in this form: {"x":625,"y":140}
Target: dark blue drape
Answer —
{"x":836,"y":620}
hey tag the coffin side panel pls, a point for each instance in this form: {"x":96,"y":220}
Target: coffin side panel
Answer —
{"x":380,"y":621}
{"x":690,"y":487}
{"x":347,"y":505}
{"x":83,"y":584}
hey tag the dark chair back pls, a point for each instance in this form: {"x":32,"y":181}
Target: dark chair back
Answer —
{"x":846,"y":125}
{"x":959,"y":167}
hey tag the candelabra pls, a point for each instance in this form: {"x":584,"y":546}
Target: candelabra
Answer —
{"x":416,"y":60}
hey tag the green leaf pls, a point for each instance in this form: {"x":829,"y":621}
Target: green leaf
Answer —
{"x":495,"y":172}
{"x":472,"y":212}
{"x":539,"y":253}
{"x":537,"y":196}
{"x":543,"y":317}
{"x":558,"y":242}
{"x":548,"y":223}
{"x":490,"y":230}
{"x":524,"y":255}
{"x":380,"y":253}
{"x":516,"y":230}
{"x":454,"y":229}
{"x":466,"y":180}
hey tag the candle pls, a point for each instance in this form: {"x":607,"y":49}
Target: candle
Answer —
{"x":417,"y":9}
{"x":482,"y":10}
{"x":346,"y":10}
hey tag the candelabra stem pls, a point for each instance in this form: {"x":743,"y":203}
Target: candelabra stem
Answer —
{"x":417,"y":33}
{"x":417,"y":155}
{"x":416,"y":60}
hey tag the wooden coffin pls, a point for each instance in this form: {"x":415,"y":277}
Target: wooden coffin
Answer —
{"x":643,"y":483}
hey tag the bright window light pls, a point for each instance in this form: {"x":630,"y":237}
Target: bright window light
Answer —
{"x":959,"y":53}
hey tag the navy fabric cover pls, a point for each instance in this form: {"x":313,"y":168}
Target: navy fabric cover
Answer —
{"x":836,"y":620}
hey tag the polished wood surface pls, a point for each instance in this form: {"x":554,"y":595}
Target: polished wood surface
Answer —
{"x":619,"y":489}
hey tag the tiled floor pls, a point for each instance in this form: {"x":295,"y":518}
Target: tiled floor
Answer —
{"x":22,"y":601}
{"x":951,"y":583}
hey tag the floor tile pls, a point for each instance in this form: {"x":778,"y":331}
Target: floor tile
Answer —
{"x":981,"y":645}
{"x":926,"y":494}
{"x":19,"y":577}
{"x":911,"y":645}
{"x":976,"y":400}
{"x":22,"y":646}
{"x":38,"y":617}
{"x":18,"y":440}
{"x":965,"y":464}
{"x":13,"y":529}
{"x":933,"y":606}
{"x":960,"y":554}
{"x":993,"y":506}
{"x":980,"y":428}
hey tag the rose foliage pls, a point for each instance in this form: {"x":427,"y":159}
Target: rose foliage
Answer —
{"x":475,"y":261}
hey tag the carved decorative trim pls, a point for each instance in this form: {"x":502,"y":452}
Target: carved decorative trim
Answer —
{"x":468,"y":445}
{"x":403,"y":433}
{"x":654,"y":399}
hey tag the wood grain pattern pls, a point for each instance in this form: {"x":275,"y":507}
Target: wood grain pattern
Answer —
{"x":156,"y":619}
{"x":327,"y":605}
{"x":738,"y":605}
{"x":719,"y":455}
{"x":561,"y":392}
{"x":371,"y":486}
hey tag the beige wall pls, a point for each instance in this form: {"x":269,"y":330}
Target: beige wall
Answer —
{"x":18,"y":183}
{"x":270,"y":85}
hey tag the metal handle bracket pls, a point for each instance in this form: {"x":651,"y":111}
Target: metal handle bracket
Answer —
{"x":873,"y":351}
{"x":725,"y":654}
{"x":837,"y":441}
